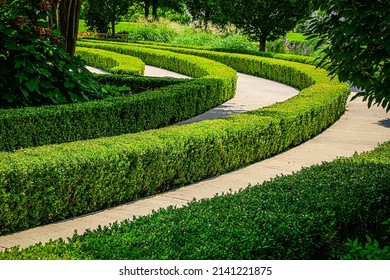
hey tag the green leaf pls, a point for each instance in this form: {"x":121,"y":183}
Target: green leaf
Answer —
{"x":32,"y":84}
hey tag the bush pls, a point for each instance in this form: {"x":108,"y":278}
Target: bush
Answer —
{"x":112,"y":62}
{"x":149,"y":32}
{"x":34,"y":69}
{"x":307,"y":215}
{"x":82,"y":177}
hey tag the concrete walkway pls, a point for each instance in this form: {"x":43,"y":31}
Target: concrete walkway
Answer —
{"x":359,"y":129}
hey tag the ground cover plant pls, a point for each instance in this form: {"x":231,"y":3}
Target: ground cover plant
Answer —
{"x":307,"y":215}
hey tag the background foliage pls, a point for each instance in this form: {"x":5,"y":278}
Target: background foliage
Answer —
{"x":356,"y":36}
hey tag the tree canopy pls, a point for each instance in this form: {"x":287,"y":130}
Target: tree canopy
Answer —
{"x":205,"y":11}
{"x":99,"y":14}
{"x":355,"y":36}
{"x":264,"y":20}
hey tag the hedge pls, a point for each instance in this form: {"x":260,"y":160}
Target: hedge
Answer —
{"x":138,"y":84}
{"x":307,"y":215}
{"x":46,"y":184}
{"x":169,"y":46}
{"x":112,"y":62}
{"x":284,"y":71}
{"x":29,"y":127}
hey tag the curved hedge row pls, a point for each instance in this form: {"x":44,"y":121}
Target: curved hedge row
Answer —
{"x":284,"y":71}
{"x":307,"y":215}
{"x":28,"y":127}
{"x":81,"y":177}
{"x":161,"y":45}
{"x":112,"y":62}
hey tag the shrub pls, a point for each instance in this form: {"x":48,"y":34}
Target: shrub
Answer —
{"x":307,"y":215}
{"x":34,"y":69}
{"x":149,"y":32}
{"x":112,"y":62}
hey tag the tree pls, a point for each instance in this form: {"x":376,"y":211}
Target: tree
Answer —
{"x":264,"y":20}
{"x":68,"y":23}
{"x":205,"y":11}
{"x":355,"y":36}
{"x":99,"y":14}
{"x":155,"y":4}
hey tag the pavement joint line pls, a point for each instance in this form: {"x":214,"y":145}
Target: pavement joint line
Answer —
{"x":175,"y":197}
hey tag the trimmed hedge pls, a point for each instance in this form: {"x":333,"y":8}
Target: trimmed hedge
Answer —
{"x":138,"y":84}
{"x":29,"y":127}
{"x":291,"y":73}
{"x":307,"y":215}
{"x":169,"y":46}
{"x":81,"y":177}
{"x":112,"y":62}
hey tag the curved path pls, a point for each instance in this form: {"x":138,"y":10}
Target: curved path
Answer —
{"x":359,"y":129}
{"x":252,"y":93}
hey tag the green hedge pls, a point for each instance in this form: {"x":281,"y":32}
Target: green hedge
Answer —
{"x":289,"y":72}
{"x":81,"y":177}
{"x":138,"y":84}
{"x":112,"y":62}
{"x":30,"y":127}
{"x":169,"y":46}
{"x":307,"y":215}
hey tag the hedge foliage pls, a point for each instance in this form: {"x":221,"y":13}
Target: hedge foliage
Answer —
{"x":294,"y":74}
{"x":112,"y":62}
{"x":138,"y":84}
{"x":169,"y":46}
{"x":81,"y":177}
{"x":307,"y":215}
{"x":216,"y":83}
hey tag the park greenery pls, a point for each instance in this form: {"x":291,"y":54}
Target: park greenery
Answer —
{"x":72,"y":142}
{"x":356,"y":36}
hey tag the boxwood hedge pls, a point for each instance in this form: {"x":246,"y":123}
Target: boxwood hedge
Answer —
{"x":112,"y":62}
{"x":161,"y":45}
{"x":85,"y":176}
{"x":44,"y":125}
{"x":294,"y":74}
{"x":307,"y":215}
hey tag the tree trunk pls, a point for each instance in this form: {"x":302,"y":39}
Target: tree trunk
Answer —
{"x":262,"y":45}
{"x":206,"y":17}
{"x":68,"y":23}
{"x":146,"y":3}
{"x":154,"y":9}
{"x":113,"y":29}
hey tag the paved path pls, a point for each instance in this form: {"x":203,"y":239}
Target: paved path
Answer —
{"x":359,"y":129}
